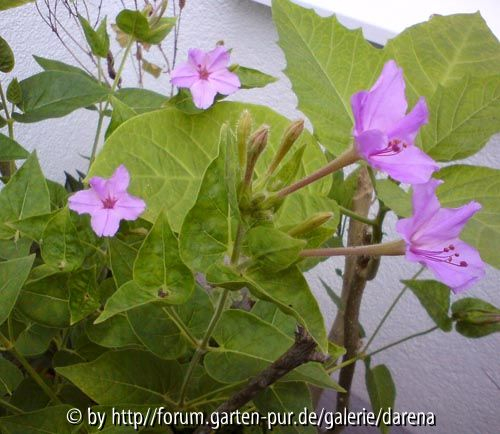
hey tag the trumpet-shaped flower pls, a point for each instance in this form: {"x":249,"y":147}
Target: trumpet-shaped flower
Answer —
{"x":431,"y":237}
{"x":385,"y":135}
{"x":108,"y":202}
{"x":206,"y":74}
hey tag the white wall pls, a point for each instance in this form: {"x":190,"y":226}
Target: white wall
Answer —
{"x":447,"y":374}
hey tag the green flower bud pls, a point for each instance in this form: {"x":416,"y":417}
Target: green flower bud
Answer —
{"x":310,"y":224}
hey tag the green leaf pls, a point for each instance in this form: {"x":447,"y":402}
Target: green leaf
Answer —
{"x":53,"y":94}
{"x":56,"y":65}
{"x":33,"y":227}
{"x":117,"y":332}
{"x":83,"y":295}
{"x":475,"y":318}
{"x":273,"y":249}
{"x":10,"y":377}
{"x":464,"y":116}
{"x":159,"y":267}
{"x":25,"y":195}
{"x":167,"y":153}
{"x":326,"y":64}
{"x":45,"y":299}
{"x":14,"y":92}
{"x":35,"y":339}
{"x":289,"y":290}
{"x":465,"y":183}
{"x":8,"y":4}
{"x":394,"y":197}
{"x":442,"y":50}
{"x":252,"y":78}
{"x":151,"y":68}
{"x":13,"y":274}
{"x":121,"y":113}
{"x":343,"y":189}
{"x":6,"y":55}
{"x":435,"y":298}
{"x":134,"y":23}
{"x":127,"y":377}
{"x":381,"y":390}
{"x":50,"y":420}
{"x":241,"y":354}
{"x":13,"y":249}
{"x":196,"y":314}
{"x":286,"y":398}
{"x":141,"y":100}
{"x":156,"y":331}
{"x":11,"y":150}
{"x":98,"y":39}
{"x":61,"y":246}
{"x":270,"y":313}
{"x":121,"y":258}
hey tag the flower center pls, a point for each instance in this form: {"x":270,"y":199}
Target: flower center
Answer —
{"x":449,"y":255}
{"x":109,"y":202}
{"x":394,"y":147}
{"x":203,"y":73}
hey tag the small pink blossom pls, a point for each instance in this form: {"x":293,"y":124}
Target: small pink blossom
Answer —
{"x":431,"y":237}
{"x":108,"y":202}
{"x":206,"y":74}
{"x":385,"y":135}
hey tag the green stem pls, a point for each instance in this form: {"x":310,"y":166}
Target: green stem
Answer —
{"x":394,"y":248}
{"x":182,"y":326}
{"x":347,"y":212}
{"x":102,"y":112}
{"x":29,"y":369}
{"x":8,"y":168}
{"x":389,"y":311}
{"x":362,"y":355}
{"x":203,"y":346}
{"x":10,"y":407}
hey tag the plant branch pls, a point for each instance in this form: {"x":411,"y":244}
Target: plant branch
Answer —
{"x":302,"y":351}
{"x":347,"y":212}
{"x":182,"y":326}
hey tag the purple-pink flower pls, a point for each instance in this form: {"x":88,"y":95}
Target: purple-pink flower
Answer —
{"x":108,"y":202}
{"x":431,"y":237}
{"x":384,"y":134}
{"x":206,"y":74}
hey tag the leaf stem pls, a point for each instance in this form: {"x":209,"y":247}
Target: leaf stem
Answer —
{"x":347,"y":212}
{"x":389,"y":311}
{"x":29,"y":369}
{"x":182,"y":326}
{"x":102,"y":112}
{"x":10,"y":407}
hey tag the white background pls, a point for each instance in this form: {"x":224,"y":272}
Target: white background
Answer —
{"x":445,"y":373}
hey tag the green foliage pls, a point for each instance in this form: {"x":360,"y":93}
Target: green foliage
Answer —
{"x":10,"y":376}
{"x":11,"y":150}
{"x":97,"y":39}
{"x":135,"y":24}
{"x":50,"y":420}
{"x":394,"y":197}
{"x":121,"y":113}
{"x":252,"y":78}
{"x":6,"y":56}
{"x":53,"y":94}
{"x":381,"y":390}
{"x":475,"y":318}
{"x":8,"y":4}
{"x":435,"y":298}
{"x":14,"y":92}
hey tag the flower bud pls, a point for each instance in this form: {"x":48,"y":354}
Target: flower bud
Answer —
{"x":256,"y":144}
{"x":310,"y":224}
{"x":290,"y":136}
{"x":478,"y":317}
{"x":242,"y":134}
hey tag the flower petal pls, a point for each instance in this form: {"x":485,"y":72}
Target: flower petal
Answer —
{"x":184,"y":75}
{"x":407,"y":128}
{"x":370,"y":142}
{"x":100,"y":186}
{"x":224,"y":81}
{"x":458,"y":278}
{"x":410,"y":165}
{"x":197,"y":58}
{"x":445,"y":225}
{"x":357,"y":103}
{"x":203,"y":94}
{"x":105,"y":222}
{"x":85,"y":202}
{"x":385,"y":103}
{"x":119,"y":181}
{"x":129,"y":207}
{"x":217,"y":59}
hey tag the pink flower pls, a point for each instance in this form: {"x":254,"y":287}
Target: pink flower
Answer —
{"x":108,"y":202}
{"x":431,"y":237}
{"x":385,"y":135}
{"x":206,"y":74}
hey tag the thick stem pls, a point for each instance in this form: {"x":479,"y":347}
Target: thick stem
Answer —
{"x":395,"y":248}
{"x":302,"y":351}
{"x":102,"y":112}
{"x":29,"y":369}
{"x":345,"y":159}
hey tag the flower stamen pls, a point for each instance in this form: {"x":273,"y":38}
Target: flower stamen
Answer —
{"x":441,"y":256}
